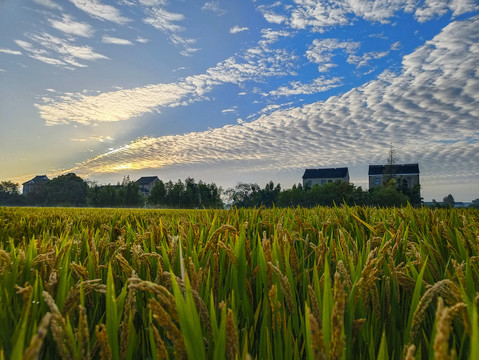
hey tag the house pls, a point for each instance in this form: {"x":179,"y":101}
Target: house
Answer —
{"x":407,"y":175}
{"x":35,"y":183}
{"x":322,"y":176}
{"x":146,"y":183}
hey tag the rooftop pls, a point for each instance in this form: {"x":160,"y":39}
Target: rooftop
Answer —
{"x":145,"y":180}
{"x":395,"y":169}
{"x":330,"y":173}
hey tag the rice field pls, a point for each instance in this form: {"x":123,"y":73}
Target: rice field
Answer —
{"x":321,"y":283}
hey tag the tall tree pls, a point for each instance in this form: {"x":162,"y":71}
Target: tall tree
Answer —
{"x":449,"y":201}
{"x":158,"y":194}
{"x":9,"y":194}
{"x":65,"y":190}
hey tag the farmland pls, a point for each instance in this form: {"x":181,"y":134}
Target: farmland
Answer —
{"x":321,"y":283}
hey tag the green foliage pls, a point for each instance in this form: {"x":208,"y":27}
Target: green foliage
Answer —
{"x":449,"y":201}
{"x":388,"y":197}
{"x":9,"y":194}
{"x":187,"y":195}
{"x":329,"y":194}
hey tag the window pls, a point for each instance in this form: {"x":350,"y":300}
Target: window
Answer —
{"x":323,"y":182}
{"x":376,"y":181}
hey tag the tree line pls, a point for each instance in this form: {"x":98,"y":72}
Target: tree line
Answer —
{"x":71,"y":190}
{"x":329,"y":194}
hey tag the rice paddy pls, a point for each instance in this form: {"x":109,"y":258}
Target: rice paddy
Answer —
{"x":321,"y":283}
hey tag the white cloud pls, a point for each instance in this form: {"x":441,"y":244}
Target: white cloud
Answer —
{"x":69,"y":26}
{"x":236,"y":29}
{"x":365,"y":58}
{"x":270,"y":14}
{"x":10,"y":52}
{"x":142,"y":40}
{"x":56,"y":51}
{"x":230,"y":110}
{"x":213,"y":6}
{"x":94,"y":138}
{"x":274,"y":18}
{"x":321,"y":52}
{"x":97,"y":10}
{"x":48,"y":3}
{"x":396,"y":46}
{"x":115,"y":41}
{"x":434,"y":8}
{"x":317,"y":85}
{"x":322,"y":15}
{"x":429,"y":110}
{"x":165,"y":21}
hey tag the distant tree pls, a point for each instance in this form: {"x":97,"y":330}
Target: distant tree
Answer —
{"x":9,"y":194}
{"x":448,"y":201}
{"x":65,"y":190}
{"x":243,"y":195}
{"x":175,"y":194}
{"x":129,"y":194}
{"x":158,"y":194}
{"x":267,"y":196}
{"x":475,"y":204}
{"x":387,"y":197}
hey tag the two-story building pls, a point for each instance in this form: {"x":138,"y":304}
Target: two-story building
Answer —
{"x":35,"y":183}
{"x":406,"y":175}
{"x":322,"y":176}
{"x":146,"y":183}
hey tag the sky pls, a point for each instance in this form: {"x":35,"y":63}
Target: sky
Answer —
{"x":230,"y":91}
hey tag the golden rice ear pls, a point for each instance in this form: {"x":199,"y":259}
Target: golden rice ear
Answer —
{"x":317,"y":340}
{"x":31,"y":353}
{"x":231,"y":336}
{"x":102,"y":338}
{"x":337,"y":344}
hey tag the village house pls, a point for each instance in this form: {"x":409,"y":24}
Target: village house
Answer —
{"x":322,"y":176}
{"x":35,"y":183}
{"x":146,"y":183}
{"x":406,"y":175}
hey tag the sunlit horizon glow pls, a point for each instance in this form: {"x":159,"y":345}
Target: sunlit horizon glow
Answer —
{"x":144,"y":88}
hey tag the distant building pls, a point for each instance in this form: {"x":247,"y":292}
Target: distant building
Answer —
{"x":35,"y":183}
{"x":322,"y":176}
{"x":406,"y":175}
{"x":146,"y":183}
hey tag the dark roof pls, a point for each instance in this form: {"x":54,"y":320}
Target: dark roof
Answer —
{"x":37,"y":179}
{"x":331,"y":173}
{"x":145,"y":180}
{"x":396,"y":169}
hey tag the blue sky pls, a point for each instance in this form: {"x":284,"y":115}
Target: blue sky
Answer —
{"x":230,"y":91}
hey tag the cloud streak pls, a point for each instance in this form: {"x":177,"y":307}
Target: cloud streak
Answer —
{"x":56,"y":51}
{"x":166,"y":21}
{"x":124,"y":104}
{"x":10,"y":52}
{"x":99,"y":11}
{"x":71,"y":27}
{"x":115,"y":41}
{"x":237,"y":29}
